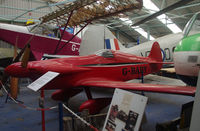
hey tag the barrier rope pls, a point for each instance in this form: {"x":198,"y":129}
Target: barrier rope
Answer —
{"x":81,"y":119}
{"x":50,"y":108}
{"x":24,"y":106}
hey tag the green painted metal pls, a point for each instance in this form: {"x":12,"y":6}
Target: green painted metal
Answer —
{"x":184,"y":45}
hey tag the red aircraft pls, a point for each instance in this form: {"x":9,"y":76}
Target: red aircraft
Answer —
{"x":105,"y":69}
{"x":40,"y":44}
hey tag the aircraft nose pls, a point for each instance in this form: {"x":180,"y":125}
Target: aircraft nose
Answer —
{"x":17,"y":70}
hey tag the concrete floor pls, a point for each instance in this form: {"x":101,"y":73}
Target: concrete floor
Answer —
{"x":160,"y":108}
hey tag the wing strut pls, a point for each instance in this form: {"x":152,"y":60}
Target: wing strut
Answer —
{"x":63,"y":31}
{"x":72,"y":37}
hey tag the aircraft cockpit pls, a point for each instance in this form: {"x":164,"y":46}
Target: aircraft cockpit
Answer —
{"x":45,"y":29}
{"x":193,"y":26}
{"x":105,"y":53}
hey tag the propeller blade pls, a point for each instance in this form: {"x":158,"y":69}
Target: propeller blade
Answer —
{"x":14,"y":80}
{"x":14,"y":87}
{"x":20,"y":54}
{"x":169,"y":8}
{"x":26,"y":56}
{"x":16,"y":59}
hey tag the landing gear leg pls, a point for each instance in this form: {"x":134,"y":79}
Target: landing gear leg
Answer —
{"x":88,"y":93}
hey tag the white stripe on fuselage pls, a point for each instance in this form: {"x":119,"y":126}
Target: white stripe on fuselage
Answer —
{"x":101,"y":65}
{"x":15,"y":28}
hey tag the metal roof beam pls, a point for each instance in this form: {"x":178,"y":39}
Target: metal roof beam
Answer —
{"x":125,"y":34}
{"x":38,"y":1}
{"x":22,"y":9}
{"x":40,"y":7}
{"x":163,"y":11}
{"x":183,"y":7}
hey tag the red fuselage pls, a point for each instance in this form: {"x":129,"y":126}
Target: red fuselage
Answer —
{"x":116,"y":66}
{"x":19,"y":36}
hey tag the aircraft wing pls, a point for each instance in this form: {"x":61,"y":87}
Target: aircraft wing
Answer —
{"x":182,"y":90}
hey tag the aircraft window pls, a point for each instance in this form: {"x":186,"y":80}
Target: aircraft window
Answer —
{"x":105,"y":53}
{"x":167,"y":53}
{"x":192,"y":59}
{"x":47,"y":30}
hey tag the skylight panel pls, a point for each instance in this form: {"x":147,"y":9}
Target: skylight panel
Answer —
{"x":126,"y":21}
{"x":143,"y":33}
{"x":138,"y":29}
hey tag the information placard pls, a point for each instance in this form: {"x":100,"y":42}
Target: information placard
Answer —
{"x":43,"y":80}
{"x":125,"y":112}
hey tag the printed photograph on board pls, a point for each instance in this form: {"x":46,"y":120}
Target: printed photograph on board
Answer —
{"x":125,"y":112}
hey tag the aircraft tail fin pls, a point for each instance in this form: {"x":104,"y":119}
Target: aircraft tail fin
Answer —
{"x":155,"y":53}
{"x":98,"y":37}
{"x":155,"y":57}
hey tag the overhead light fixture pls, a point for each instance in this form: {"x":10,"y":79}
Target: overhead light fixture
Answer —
{"x":148,"y":4}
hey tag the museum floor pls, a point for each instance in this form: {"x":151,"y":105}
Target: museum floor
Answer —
{"x":160,"y":108}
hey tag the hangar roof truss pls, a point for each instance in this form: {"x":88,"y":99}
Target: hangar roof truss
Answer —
{"x":85,"y":11}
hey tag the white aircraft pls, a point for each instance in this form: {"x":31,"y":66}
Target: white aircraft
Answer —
{"x":167,"y":44}
{"x":95,"y":35}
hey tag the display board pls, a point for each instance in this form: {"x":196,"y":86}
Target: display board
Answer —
{"x":125,"y":112}
{"x":43,"y":80}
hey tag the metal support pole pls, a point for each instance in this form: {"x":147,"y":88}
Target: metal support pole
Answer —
{"x":148,"y":34}
{"x":194,"y":124}
{"x":60,"y":107}
{"x":142,"y":78}
{"x":41,"y":104}
{"x":88,"y":93}
{"x":138,"y":40}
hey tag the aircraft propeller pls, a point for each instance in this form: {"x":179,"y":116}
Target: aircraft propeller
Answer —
{"x":24,"y":54}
